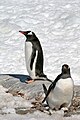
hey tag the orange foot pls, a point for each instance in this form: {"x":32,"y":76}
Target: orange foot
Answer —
{"x":29,"y":81}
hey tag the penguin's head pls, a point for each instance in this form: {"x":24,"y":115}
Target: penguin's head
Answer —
{"x":29,"y":35}
{"x":65,"y":69}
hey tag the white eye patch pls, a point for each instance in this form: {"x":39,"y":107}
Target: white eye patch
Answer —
{"x":30,"y":33}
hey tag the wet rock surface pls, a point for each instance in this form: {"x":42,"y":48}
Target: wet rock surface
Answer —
{"x":32,"y":94}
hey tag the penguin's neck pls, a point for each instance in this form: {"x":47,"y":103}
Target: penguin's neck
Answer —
{"x":67,"y":75}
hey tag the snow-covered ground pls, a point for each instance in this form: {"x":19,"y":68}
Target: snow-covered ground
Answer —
{"x":55,"y":22}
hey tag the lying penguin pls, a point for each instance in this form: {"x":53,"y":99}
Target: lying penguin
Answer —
{"x":34,"y":57}
{"x":60,"y":93}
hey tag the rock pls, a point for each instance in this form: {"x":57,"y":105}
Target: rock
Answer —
{"x":24,"y":94}
{"x":15,"y":86}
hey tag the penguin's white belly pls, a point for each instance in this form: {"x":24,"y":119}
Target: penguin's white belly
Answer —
{"x":62,"y":93}
{"x":28,"y":53}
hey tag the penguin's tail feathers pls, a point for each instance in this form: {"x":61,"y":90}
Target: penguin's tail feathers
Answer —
{"x":49,"y":80}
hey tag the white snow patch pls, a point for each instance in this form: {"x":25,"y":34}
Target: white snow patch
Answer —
{"x":57,"y":25}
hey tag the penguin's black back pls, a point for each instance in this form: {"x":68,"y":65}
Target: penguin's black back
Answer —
{"x":36,"y":46}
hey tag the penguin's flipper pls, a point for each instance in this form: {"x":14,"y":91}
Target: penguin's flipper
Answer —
{"x":45,"y":89}
{"x":52,"y":86}
{"x":49,"y":90}
{"x":32,"y":58}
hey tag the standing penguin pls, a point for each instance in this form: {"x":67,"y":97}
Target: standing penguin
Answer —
{"x":60,"y":92}
{"x":33,"y":56}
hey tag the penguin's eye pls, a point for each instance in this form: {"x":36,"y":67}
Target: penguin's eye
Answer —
{"x":30,"y":33}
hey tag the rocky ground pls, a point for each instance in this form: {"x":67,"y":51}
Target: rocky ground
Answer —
{"x":19,"y":98}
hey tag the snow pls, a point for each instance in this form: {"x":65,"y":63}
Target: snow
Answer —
{"x":55,"y":22}
{"x":35,"y":116}
{"x":57,"y":25}
{"x":8,"y":102}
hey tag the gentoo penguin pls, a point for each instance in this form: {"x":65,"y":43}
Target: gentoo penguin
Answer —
{"x":60,"y":92}
{"x":33,"y":56}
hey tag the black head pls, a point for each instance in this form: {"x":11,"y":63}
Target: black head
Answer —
{"x":65,"y":69}
{"x":29,"y":35}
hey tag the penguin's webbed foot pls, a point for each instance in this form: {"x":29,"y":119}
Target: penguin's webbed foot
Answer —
{"x":29,"y":81}
{"x":65,"y":109}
